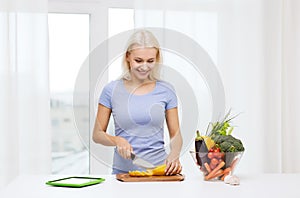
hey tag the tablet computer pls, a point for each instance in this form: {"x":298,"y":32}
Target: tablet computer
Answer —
{"x":76,"y":182}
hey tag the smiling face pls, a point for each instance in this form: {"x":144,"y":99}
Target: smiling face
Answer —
{"x":141,"y":62}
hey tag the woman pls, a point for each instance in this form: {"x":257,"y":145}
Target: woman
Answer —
{"x":140,"y":102}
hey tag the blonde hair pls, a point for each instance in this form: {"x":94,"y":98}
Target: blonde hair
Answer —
{"x":142,"y":39}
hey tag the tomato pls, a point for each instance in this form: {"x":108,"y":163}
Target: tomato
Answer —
{"x":222,"y":155}
{"x":217,"y":155}
{"x":214,"y":161}
{"x":210,"y":155}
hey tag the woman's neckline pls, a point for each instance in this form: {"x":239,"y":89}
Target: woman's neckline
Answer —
{"x":142,"y":94}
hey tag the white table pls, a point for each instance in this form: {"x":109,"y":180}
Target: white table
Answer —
{"x":265,"y":185}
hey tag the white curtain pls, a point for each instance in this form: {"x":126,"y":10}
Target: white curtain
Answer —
{"x":24,"y":99}
{"x":290,"y":86}
{"x":255,"y":44}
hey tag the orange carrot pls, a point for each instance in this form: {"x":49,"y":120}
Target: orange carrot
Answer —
{"x":218,"y":173}
{"x":213,"y":172}
{"x":225,"y":174}
{"x":207,"y":167}
{"x":227,"y":170}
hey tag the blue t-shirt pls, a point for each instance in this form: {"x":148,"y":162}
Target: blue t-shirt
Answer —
{"x":140,"y":120}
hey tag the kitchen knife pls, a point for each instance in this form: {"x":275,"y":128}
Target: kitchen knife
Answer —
{"x":141,"y":162}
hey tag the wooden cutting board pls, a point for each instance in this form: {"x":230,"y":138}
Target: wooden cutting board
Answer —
{"x":125,"y":177}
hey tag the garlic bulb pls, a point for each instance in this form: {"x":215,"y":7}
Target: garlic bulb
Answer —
{"x":232,"y":180}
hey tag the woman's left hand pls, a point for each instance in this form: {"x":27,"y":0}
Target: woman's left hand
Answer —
{"x":173,"y":166}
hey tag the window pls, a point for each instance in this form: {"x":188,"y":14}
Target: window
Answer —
{"x":70,"y":35}
{"x":119,"y":20}
{"x":69,"y":46}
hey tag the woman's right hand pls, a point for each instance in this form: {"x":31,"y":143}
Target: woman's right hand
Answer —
{"x":123,"y":147}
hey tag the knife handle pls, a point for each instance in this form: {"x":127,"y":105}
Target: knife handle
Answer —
{"x":132,"y":156}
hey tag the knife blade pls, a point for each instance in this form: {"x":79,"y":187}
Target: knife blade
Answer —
{"x":141,"y":162}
